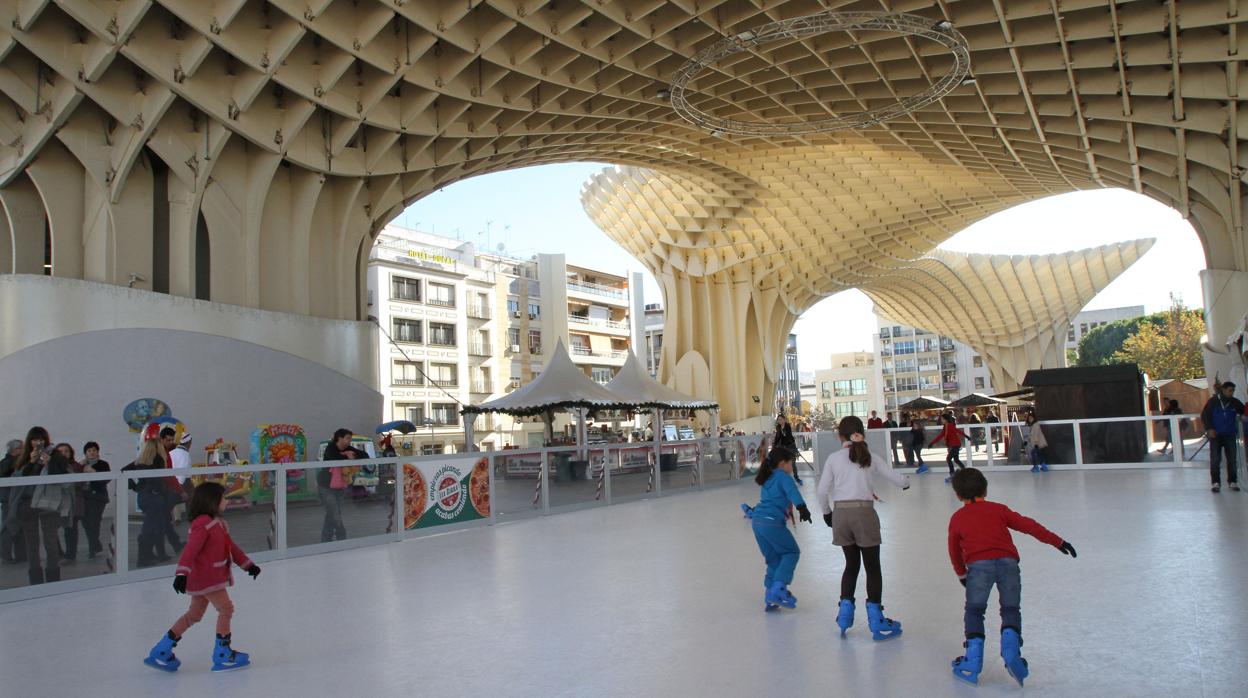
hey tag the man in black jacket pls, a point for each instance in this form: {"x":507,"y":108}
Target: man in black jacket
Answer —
{"x":338,"y":448}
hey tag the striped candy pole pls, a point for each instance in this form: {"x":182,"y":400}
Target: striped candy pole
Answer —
{"x":650,"y":484}
{"x":602,"y":477}
{"x":112,"y":551}
{"x":272,"y":529}
{"x":537,"y":491}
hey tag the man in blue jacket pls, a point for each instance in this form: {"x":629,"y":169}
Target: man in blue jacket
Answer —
{"x":1221,"y":418}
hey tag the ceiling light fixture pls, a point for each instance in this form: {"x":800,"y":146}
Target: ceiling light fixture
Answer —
{"x":942,"y":33}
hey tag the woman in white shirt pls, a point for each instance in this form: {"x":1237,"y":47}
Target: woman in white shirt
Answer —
{"x":846,"y":482}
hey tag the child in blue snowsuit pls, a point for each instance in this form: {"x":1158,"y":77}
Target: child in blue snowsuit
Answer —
{"x":770,"y":524}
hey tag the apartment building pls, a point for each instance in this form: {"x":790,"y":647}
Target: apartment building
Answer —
{"x":464,"y":327}
{"x":910,"y":362}
{"x":437,"y":308}
{"x":848,"y":386}
{"x":651,"y":350}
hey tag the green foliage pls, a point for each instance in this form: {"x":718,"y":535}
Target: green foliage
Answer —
{"x":1098,"y":347}
{"x":1168,"y":349}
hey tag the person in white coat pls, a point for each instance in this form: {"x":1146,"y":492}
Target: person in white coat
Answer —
{"x":847,"y":498}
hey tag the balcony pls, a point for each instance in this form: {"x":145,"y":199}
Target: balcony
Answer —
{"x":616,"y":294}
{"x":948,"y":366}
{"x":479,"y":312}
{"x":604,"y":325}
{"x":584,"y":355}
{"x":445,"y":382}
{"x":886,"y":352}
{"x":483,"y":387}
{"x":949,"y":385}
{"x":946,"y":346}
{"x":408,"y":382}
{"x":479,"y":349}
{"x":441,"y":303}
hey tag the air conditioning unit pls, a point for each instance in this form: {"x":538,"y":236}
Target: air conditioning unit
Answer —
{"x":515,"y":348}
{"x":515,"y":382}
{"x":532,"y":316}
{"x":515,"y":313}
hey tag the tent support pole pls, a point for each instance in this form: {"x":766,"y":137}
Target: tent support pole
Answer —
{"x":470,"y":422}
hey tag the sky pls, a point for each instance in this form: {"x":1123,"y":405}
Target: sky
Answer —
{"x":538,"y":209}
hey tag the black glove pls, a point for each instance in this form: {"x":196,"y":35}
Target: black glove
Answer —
{"x":179,"y":583}
{"x":803,"y":513}
{"x":254,"y":571}
{"x":1067,"y":549}
{"x":827,"y":519}
{"x":963,"y":581}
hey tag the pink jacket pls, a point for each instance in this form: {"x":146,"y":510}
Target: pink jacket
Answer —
{"x":207,"y":556}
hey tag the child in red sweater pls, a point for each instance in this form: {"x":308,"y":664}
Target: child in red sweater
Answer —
{"x":204,"y":572}
{"x":952,"y":436}
{"x":983,"y":554}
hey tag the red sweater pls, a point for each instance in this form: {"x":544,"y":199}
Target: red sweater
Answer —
{"x":207,"y":556}
{"x":980,"y":530}
{"x":950,"y":434}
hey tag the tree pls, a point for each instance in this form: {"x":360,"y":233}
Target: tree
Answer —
{"x":1072,"y":357}
{"x":1098,"y":346}
{"x":1170,"y":348}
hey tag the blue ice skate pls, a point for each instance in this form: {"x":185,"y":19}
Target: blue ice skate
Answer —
{"x":1044,"y":467}
{"x":1011,"y":652}
{"x":845,"y":615}
{"x":225,"y":658}
{"x":968,"y":666}
{"x":747,"y":510}
{"x":881,"y":628}
{"x":922,"y":469}
{"x":162,"y":657}
{"x":1035,"y":468}
{"x":767,"y":605}
{"x":778,"y":593}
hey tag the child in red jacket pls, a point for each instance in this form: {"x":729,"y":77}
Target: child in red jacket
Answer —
{"x":204,"y":572}
{"x":952,"y":436}
{"x":983,"y":554}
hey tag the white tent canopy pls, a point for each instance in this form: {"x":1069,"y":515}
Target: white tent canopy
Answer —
{"x":633,"y":384}
{"x":561,"y":385}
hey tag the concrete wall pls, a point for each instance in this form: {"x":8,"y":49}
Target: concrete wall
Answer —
{"x":77,"y":387}
{"x":74,"y":353}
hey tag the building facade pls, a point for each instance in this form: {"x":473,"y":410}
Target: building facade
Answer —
{"x":462,"y":327}
{"x":789,"y":382}
{"x":848,"y":387}
{"x":912,"y":362}
{"x":652,"y":338}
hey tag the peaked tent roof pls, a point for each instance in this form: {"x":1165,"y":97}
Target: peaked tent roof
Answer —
{"x":561,"y":385}
{"x":924,"y":402}
{"x":976,"y":400}
{"x":634,"y":384}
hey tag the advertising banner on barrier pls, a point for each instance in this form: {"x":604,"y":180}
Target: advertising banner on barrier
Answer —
{"x":446,"y":491}
{"x":752,"y":451}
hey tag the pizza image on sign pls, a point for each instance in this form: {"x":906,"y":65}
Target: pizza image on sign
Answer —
{"x":479,"y":487}
{"x":414,"y":491}
{"x":449,"y":491}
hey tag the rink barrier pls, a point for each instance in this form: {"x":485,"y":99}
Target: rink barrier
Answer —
{"x":125,"y":519}
{"x":123,"y":500}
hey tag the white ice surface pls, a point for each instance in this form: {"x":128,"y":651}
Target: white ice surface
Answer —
{"x":663,"y":598}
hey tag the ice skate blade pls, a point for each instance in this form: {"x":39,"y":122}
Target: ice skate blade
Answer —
{"x":167,"y":668}
{"x":1018,"y":673}
{"x":883,"y":637}
{"x":231,"y":668}
{"x":972,"y":679}
{"x":771,"y":608}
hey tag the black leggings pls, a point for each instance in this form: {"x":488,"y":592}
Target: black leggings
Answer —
{"x":952,"y":457}
{"x":855,"y":558}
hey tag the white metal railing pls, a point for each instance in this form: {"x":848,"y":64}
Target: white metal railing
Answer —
{"x":593,"y":322}
{"x":529,"y":482}
{"x":596,"y":289}
{"x":519,"y":483}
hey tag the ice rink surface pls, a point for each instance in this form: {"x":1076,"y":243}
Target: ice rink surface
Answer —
{"x":664,"y":598}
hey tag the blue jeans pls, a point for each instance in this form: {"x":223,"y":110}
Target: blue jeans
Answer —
{"x":1037,"y":456}
{"x":1217,"y":445}
{"x":779,"y":549}
{"x":980,"y":578}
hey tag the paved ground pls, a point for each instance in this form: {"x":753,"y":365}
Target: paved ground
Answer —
{"x":662,"y":597}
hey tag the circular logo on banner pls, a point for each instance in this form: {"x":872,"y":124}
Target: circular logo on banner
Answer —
{"x":448,"y":493}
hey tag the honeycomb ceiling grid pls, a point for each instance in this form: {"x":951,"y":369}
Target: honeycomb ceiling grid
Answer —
{"x":451,"y":89}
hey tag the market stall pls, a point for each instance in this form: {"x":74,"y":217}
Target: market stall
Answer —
{"x":632,"y":383}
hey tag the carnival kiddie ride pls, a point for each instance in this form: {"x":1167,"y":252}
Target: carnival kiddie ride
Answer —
{"x":222,"y":453}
